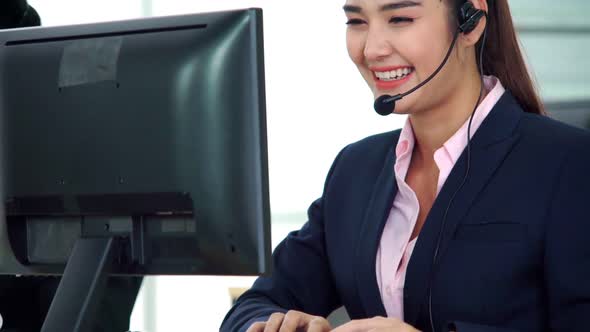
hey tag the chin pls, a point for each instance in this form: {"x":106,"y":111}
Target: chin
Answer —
{"x":404,"y":107}
{"x":401,"y":111}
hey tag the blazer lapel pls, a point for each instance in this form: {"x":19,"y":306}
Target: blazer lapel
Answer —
{"x":489,"y":147}
{"x":370,"y":235}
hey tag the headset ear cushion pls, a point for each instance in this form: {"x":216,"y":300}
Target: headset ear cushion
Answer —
{"x":467,"y":10}
{"x":469,"y":16}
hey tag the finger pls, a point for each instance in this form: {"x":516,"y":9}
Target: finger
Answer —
{"x":274,"y":322}
{"x":363,"y":325}
{"x":256,"y":327}
{"x":318,"y":324}
{"x":293,"y":319}
{"x":359,"y":325}
{"x":352,"y":326}
{"x":385,"y":329}
{"x":382,"y":329}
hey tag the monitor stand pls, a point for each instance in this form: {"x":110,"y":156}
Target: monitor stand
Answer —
{"x":82,"y":286}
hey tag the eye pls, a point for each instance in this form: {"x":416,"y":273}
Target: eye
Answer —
{"x":355,"y":21}
{"x":398,"y":19}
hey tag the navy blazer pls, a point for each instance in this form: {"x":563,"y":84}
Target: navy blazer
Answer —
{"x":514,"y":254}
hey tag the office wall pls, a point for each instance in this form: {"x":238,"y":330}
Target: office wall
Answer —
{"x":556,"y":38}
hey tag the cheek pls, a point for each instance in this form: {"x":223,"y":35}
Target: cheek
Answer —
{"x":355,"y":46}
{"x":425,"y":55}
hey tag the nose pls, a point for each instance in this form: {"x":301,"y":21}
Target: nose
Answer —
{"x":377,"y":46}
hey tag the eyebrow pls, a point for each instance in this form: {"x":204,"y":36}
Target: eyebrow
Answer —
{"x":386,"y":7}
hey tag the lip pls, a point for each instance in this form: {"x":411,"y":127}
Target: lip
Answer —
{"x":390,"y":85}
{"x":389,"y":68}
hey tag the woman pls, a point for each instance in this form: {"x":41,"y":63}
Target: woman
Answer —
{"x":422,"y":228}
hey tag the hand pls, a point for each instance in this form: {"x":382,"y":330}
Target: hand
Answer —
{"x":376,"y":324}
{"x":292,"y":321}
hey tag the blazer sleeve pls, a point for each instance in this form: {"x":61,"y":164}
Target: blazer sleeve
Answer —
{"x":567,"y":243}
{"x":300,"y":280}
{"x":471,"y":327}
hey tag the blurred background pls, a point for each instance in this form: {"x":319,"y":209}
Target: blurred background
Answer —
{"x":311,"y":82}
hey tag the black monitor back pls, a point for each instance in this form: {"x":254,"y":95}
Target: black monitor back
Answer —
{"x":151,"y":130}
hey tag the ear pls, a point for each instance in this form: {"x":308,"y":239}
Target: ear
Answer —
{"x":471,"y":38}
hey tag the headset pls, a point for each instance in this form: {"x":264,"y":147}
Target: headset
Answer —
{"x":468,"y":18}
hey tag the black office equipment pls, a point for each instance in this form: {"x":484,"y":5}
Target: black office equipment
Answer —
{"x":133,"y":148}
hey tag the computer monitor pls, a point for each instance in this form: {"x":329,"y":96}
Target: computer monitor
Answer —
{"x":139,"y":143}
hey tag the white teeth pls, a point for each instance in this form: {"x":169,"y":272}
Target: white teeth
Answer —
{"x":394,"y":74}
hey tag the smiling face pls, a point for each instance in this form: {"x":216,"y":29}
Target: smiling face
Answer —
{"x":396,"y":44}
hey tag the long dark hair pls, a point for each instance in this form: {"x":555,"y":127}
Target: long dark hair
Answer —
{"x":502,"y":56}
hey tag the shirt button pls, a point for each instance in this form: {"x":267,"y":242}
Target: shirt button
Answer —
{"x":388,"y":290}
